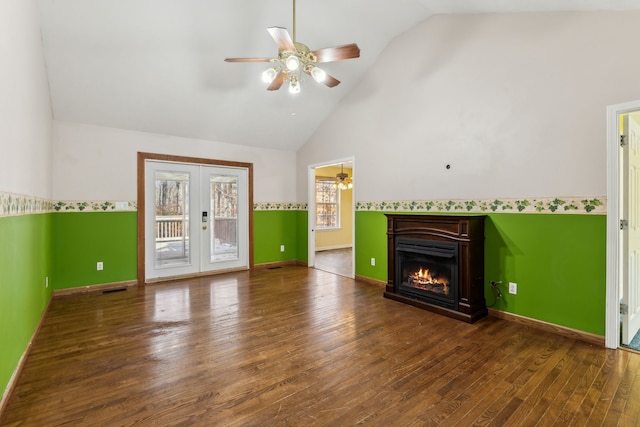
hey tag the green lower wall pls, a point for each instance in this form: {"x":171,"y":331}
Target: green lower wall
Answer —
{"x":558,"y":262}
{"x":272,"y":229}
{"x":25,"y":262}
{"x":81,"y":239}
{"x":303,"y":236}
{"x":371,"y":242}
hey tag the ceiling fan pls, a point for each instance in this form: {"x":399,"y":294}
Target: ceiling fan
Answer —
{"x":296,"y":58}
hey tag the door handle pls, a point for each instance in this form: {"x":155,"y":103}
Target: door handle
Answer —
{"x":205,"y":219}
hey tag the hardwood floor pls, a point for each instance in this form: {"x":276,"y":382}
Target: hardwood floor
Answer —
{"x":301,"y":347}
{"x":338,"y":261}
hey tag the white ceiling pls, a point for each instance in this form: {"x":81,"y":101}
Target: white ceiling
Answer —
{"x":158,"y":65}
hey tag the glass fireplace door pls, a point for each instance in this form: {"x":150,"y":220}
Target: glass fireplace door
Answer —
{"x":428,"y":270}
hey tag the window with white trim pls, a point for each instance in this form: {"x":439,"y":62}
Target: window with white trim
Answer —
{"x":327,"y":204}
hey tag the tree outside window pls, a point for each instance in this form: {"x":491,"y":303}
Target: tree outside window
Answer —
{"x":327,"y":204}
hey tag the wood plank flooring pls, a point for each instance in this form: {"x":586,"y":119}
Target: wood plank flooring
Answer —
{"x":302,"y":347}
{"x":337,"y":261}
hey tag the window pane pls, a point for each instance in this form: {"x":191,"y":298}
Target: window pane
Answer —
{"x":224,"y":205}
{"x":172,"y":218}
{"x":327,"y":203}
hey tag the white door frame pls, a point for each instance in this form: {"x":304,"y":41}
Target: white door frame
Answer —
{"x":311,"y":208}
{"x":612,"y":316}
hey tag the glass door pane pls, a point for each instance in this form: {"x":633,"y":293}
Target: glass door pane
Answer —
{"x":224,"y":208}
{"x":171,"y":219}
{"x":171,"y":213}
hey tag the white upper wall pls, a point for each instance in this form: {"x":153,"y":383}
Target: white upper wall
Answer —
{"x":514,"y":103}
{"x":25,"y":106}
{"x":98,"y":163}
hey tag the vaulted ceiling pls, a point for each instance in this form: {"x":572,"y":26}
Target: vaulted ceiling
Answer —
{"x":158,"y":65}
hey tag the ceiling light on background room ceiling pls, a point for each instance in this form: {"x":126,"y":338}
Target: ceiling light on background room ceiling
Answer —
{"x":343,"y":182}
{"x":296,"y":59}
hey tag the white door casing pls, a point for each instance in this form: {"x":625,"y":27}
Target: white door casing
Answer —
{"x":612,"y":316}
{"x":311,"y":206}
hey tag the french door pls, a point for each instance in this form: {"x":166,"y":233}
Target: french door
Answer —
{"x":196,"y":219}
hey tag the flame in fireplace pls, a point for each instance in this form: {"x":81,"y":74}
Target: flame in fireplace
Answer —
{"x":423,"y":279}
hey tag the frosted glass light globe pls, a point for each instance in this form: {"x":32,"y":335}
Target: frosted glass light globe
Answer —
{"x":318,"y":74}
{"x":292,"y":63}
{"x":268,"y":75}
{"x":294,"y":86}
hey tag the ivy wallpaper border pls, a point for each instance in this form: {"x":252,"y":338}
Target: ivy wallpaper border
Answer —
{"x":95,"y":206}
{"x":272,"y":206}
{"x":556,"y":205}
{"x":16,"y":204}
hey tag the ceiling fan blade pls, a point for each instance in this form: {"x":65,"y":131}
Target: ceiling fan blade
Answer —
{"x":282,"y":38}
{"x":329,"y":80}
{"x":248,"y":59}
{"x":337,"y":53}
{"x":278,"y":81}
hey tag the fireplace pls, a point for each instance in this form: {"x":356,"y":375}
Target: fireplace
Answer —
{"x":436,"y":262}
{"x":428,"y":270}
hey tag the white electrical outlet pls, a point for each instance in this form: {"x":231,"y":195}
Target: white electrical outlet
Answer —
{"x":281,"y":248}
{"x":373,"y":261}
{"x":513,"y":288}
{"x":99,"y":266}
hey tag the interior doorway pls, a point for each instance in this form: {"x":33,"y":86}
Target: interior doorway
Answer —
{"x":332,"y":217}
{"x":623,"y":226}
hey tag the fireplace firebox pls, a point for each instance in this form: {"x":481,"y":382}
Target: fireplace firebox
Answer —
{"x":436,"y":262}
{"x":428,"y":270}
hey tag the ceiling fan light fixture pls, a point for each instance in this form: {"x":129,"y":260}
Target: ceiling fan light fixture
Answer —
{"x":269,"y":74}
{"x":345,"y":186}
{"x":292,"y":62}
{"x":295,"y":58}
{"x":318,"y":74}
{"x":294,"y":85}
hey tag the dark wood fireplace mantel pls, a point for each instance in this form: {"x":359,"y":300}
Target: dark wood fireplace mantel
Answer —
{"x":465,"y":231}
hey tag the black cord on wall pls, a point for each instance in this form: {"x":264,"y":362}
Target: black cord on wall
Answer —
{"x":496,"y":291}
